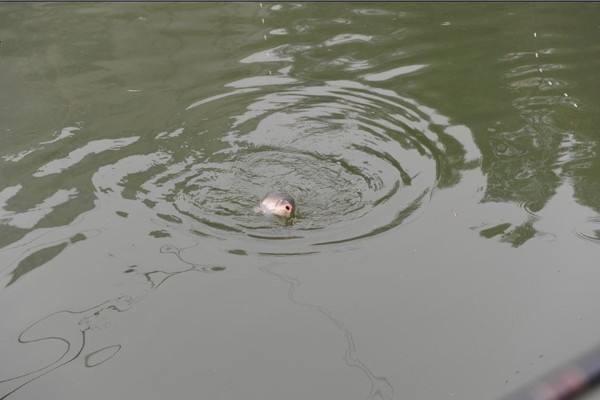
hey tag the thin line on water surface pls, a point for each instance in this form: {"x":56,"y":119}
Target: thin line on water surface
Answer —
{"x":380,"y":387}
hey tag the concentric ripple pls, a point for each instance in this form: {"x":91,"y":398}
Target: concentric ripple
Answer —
{"x":358,"y":160}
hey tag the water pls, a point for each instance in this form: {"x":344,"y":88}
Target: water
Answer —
{"x":443,"y":159}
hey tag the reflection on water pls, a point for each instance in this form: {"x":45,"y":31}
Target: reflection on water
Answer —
{"x":412,"y":137}
{"x":73,"y":327}
{"x":70,"y":328}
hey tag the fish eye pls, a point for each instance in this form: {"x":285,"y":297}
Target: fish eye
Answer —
{"x":287,"y":208}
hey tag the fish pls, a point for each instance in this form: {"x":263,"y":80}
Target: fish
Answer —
{"x":279,"y":204}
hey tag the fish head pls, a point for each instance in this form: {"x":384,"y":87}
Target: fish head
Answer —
{"x":285,"y":208}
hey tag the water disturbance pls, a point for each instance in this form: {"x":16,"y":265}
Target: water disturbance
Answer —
{"x":443,"y":159}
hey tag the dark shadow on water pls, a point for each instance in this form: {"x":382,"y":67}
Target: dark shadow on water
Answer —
{"x":35,"y":260}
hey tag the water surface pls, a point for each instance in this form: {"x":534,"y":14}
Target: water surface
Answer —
{"x":444,"y":162}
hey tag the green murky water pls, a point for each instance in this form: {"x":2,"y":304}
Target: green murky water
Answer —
{"x":444,"y":162}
